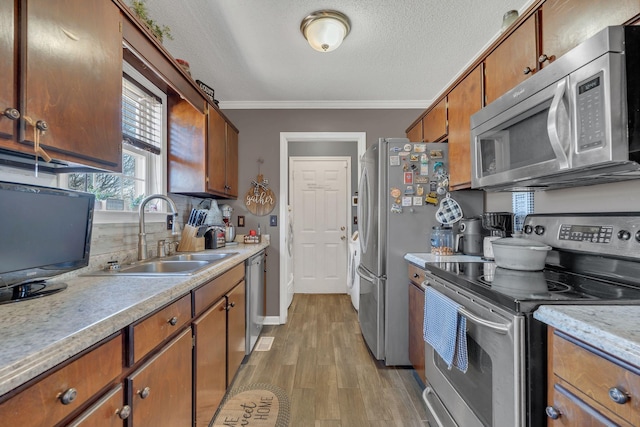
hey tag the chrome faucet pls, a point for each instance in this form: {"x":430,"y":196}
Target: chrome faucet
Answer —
{"x":142,"y":239}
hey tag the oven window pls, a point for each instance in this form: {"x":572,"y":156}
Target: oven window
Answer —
{"x":475,"y":386}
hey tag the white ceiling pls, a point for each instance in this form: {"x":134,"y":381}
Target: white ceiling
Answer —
{"x":399,"y":54}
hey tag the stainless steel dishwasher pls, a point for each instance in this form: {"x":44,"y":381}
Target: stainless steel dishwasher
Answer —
{"x":254,"y":277}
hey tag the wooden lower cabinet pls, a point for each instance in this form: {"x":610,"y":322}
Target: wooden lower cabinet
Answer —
{"x":210,"y":359}
{"x":161,"y":388}
{"x":66,"y":390}
{"x":236,"y":330}
{"x":109,"y":411}
{"x":581,"y":382}
{"x":416,"y":321}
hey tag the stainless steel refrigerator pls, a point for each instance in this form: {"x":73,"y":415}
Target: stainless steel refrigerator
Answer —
{"x":400,"y":189}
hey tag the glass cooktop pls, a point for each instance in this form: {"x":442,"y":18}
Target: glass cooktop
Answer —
{"x":523,"y":291}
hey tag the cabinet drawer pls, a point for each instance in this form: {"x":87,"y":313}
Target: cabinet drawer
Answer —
{"x":211,"y":292}
{"x":109,"y":411}
{"x":42,"y":403}
{"x":153,"y":330}
{"x":593,"y":373}
{"x":416,"y":274}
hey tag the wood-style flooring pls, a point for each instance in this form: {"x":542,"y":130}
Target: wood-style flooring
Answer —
{"x":320,"y":359}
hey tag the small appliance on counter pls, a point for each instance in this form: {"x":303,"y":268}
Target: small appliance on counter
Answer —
{"x":469,"y":240}
{"x":214,"y":237}
{"x":497,"y":224}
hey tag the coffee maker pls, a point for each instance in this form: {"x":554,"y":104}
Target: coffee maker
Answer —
{"x":497,"y":224}
{"x":230,"y":231}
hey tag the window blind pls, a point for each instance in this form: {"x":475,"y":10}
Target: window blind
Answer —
{"x":141,"y":117}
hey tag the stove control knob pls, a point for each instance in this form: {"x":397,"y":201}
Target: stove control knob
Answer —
{"x":539,"y":230}
{"x":529,"y":229}
{"x":638,"y":236}
{"x":624,"y":235}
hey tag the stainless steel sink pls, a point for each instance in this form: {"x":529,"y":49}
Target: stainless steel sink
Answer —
{"x":175,"y":265}
{"x":198,"y":257}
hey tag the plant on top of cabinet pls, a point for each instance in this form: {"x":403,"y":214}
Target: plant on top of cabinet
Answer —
{"x":139,"y":7}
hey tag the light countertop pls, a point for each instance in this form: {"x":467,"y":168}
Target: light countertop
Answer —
{"x":421,"y":259}
{"x":38,"y":334}
{"x":610,"y":328}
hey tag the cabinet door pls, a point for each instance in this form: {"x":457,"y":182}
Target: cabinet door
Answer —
{"x":187,"y":151}
{"x":565,"y":24}
{"x":217,"y":150}
{"x":575,"y":412}
{"x":464,"y":100}
{"x":415,"y":133}
{"x":231,"y":162}
{"x":8,"y":82}
{"x":434,"y":124}
{"x":210,"y":375}
{"x":73,"y":79}
{"x":416,"y":321}
{"x":161,"y":388}
{"x":513,"y":61}
{"x":236,"y":329}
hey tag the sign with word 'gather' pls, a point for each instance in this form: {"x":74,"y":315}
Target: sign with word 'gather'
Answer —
{"x":260,"y":200}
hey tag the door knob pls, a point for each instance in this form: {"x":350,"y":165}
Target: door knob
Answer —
{"x":343,"y":237}
{"x":342,"y":228}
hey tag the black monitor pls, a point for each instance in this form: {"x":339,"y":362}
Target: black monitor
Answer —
{"x":44,"y":232}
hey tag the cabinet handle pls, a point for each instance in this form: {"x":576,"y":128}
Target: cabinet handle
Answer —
{"x":543,"y":58}
{"x":144,"y":393}
{"x":232,"y":304}
{"x":68,"y":396}
{"x":552,"y":412}
{"x":528,"y":70}
{"x":11,"y":113}
{"x":173,"y":321}
{"x":416,"y":275}
{"x":618,"y":396}
{"x":124,"y":412}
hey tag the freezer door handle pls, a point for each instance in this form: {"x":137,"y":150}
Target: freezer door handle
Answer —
{"x":366,"y":274}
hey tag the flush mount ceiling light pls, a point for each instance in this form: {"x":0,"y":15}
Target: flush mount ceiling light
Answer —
{"x":325,"y":29}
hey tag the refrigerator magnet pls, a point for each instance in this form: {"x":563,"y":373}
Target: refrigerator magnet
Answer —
{"x":417,"y":201}
{"x":421,"y":179}
{"x":419,"y":190}
{"x":407,"y":147}
{"x":396,"y":208}
{"x":409,"y":190}
{"x":407,"y":201}
{"x":435,"y":154}
{"x":424,"y":168}
{"x":408,"y":178}
{"x":394,"y":160}
{"x":420,"y":148}
{"x":413,"y":158}
{"x":395,"y":192}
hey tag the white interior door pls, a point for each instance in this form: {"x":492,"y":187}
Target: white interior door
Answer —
{"x":320,"y":188}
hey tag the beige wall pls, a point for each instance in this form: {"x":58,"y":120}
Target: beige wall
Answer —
{"x":260,"y":138}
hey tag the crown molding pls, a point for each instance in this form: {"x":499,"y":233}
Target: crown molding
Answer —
{"x":320,"y":105}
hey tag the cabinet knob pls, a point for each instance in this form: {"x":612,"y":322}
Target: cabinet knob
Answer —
{"x":68,"y":396}
{"x":232,"y":304}
{"x":416,"y":275}
{"x":552,"y":412}
{"x":173,"y":321}
{"x":528,"y":70}
{"x":543,"y":58}
{"x":618,"y":396}
{"x":144,"y":393}
{"x":41,"y":125}
{"x":11,"y":113}
{"x":124,"y":412}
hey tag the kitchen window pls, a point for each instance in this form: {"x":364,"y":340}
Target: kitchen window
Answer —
{"x":143,"y":153}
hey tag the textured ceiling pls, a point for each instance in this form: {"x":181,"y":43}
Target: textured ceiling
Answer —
{"x":399,"y":54}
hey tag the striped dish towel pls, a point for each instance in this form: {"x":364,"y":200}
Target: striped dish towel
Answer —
{"x":445,"y":329}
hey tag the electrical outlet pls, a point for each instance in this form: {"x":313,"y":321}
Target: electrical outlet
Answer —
{"x":240,"y":220}
{"x":355,"y":220}
{"x":273,"y":220}
{"x":170,"y":219}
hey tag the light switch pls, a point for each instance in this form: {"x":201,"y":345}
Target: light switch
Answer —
{"x":273,"y":220}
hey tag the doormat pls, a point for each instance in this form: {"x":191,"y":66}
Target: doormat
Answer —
{"x":264,"y":344}
{"x":254,"y":405}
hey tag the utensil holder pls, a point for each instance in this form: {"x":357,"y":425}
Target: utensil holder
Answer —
{"x":189,"y":242}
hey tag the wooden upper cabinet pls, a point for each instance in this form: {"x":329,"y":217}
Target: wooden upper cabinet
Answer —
{"x":464,"y":100}
{"x":73,"y":80}
{"x":222,"y":163}
{"x":8,"y":82}
{"x":512,"y":62}
{"x":565,"y":24}
{"x":186,"y":148}
{"x":434,"y":123}
{"x":415,"y":133}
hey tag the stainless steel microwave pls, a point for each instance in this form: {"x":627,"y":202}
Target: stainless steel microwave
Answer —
{"x":576,"y":122}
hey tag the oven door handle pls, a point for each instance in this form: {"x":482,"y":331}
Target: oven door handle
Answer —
{"x":425,"y":397}
{"x":497,"y":327}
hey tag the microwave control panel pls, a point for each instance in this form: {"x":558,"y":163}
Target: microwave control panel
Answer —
{"x":590,"y":113}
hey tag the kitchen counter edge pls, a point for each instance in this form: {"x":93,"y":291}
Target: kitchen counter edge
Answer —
{"x":606,"y":327}
{"x":36,"y":335}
